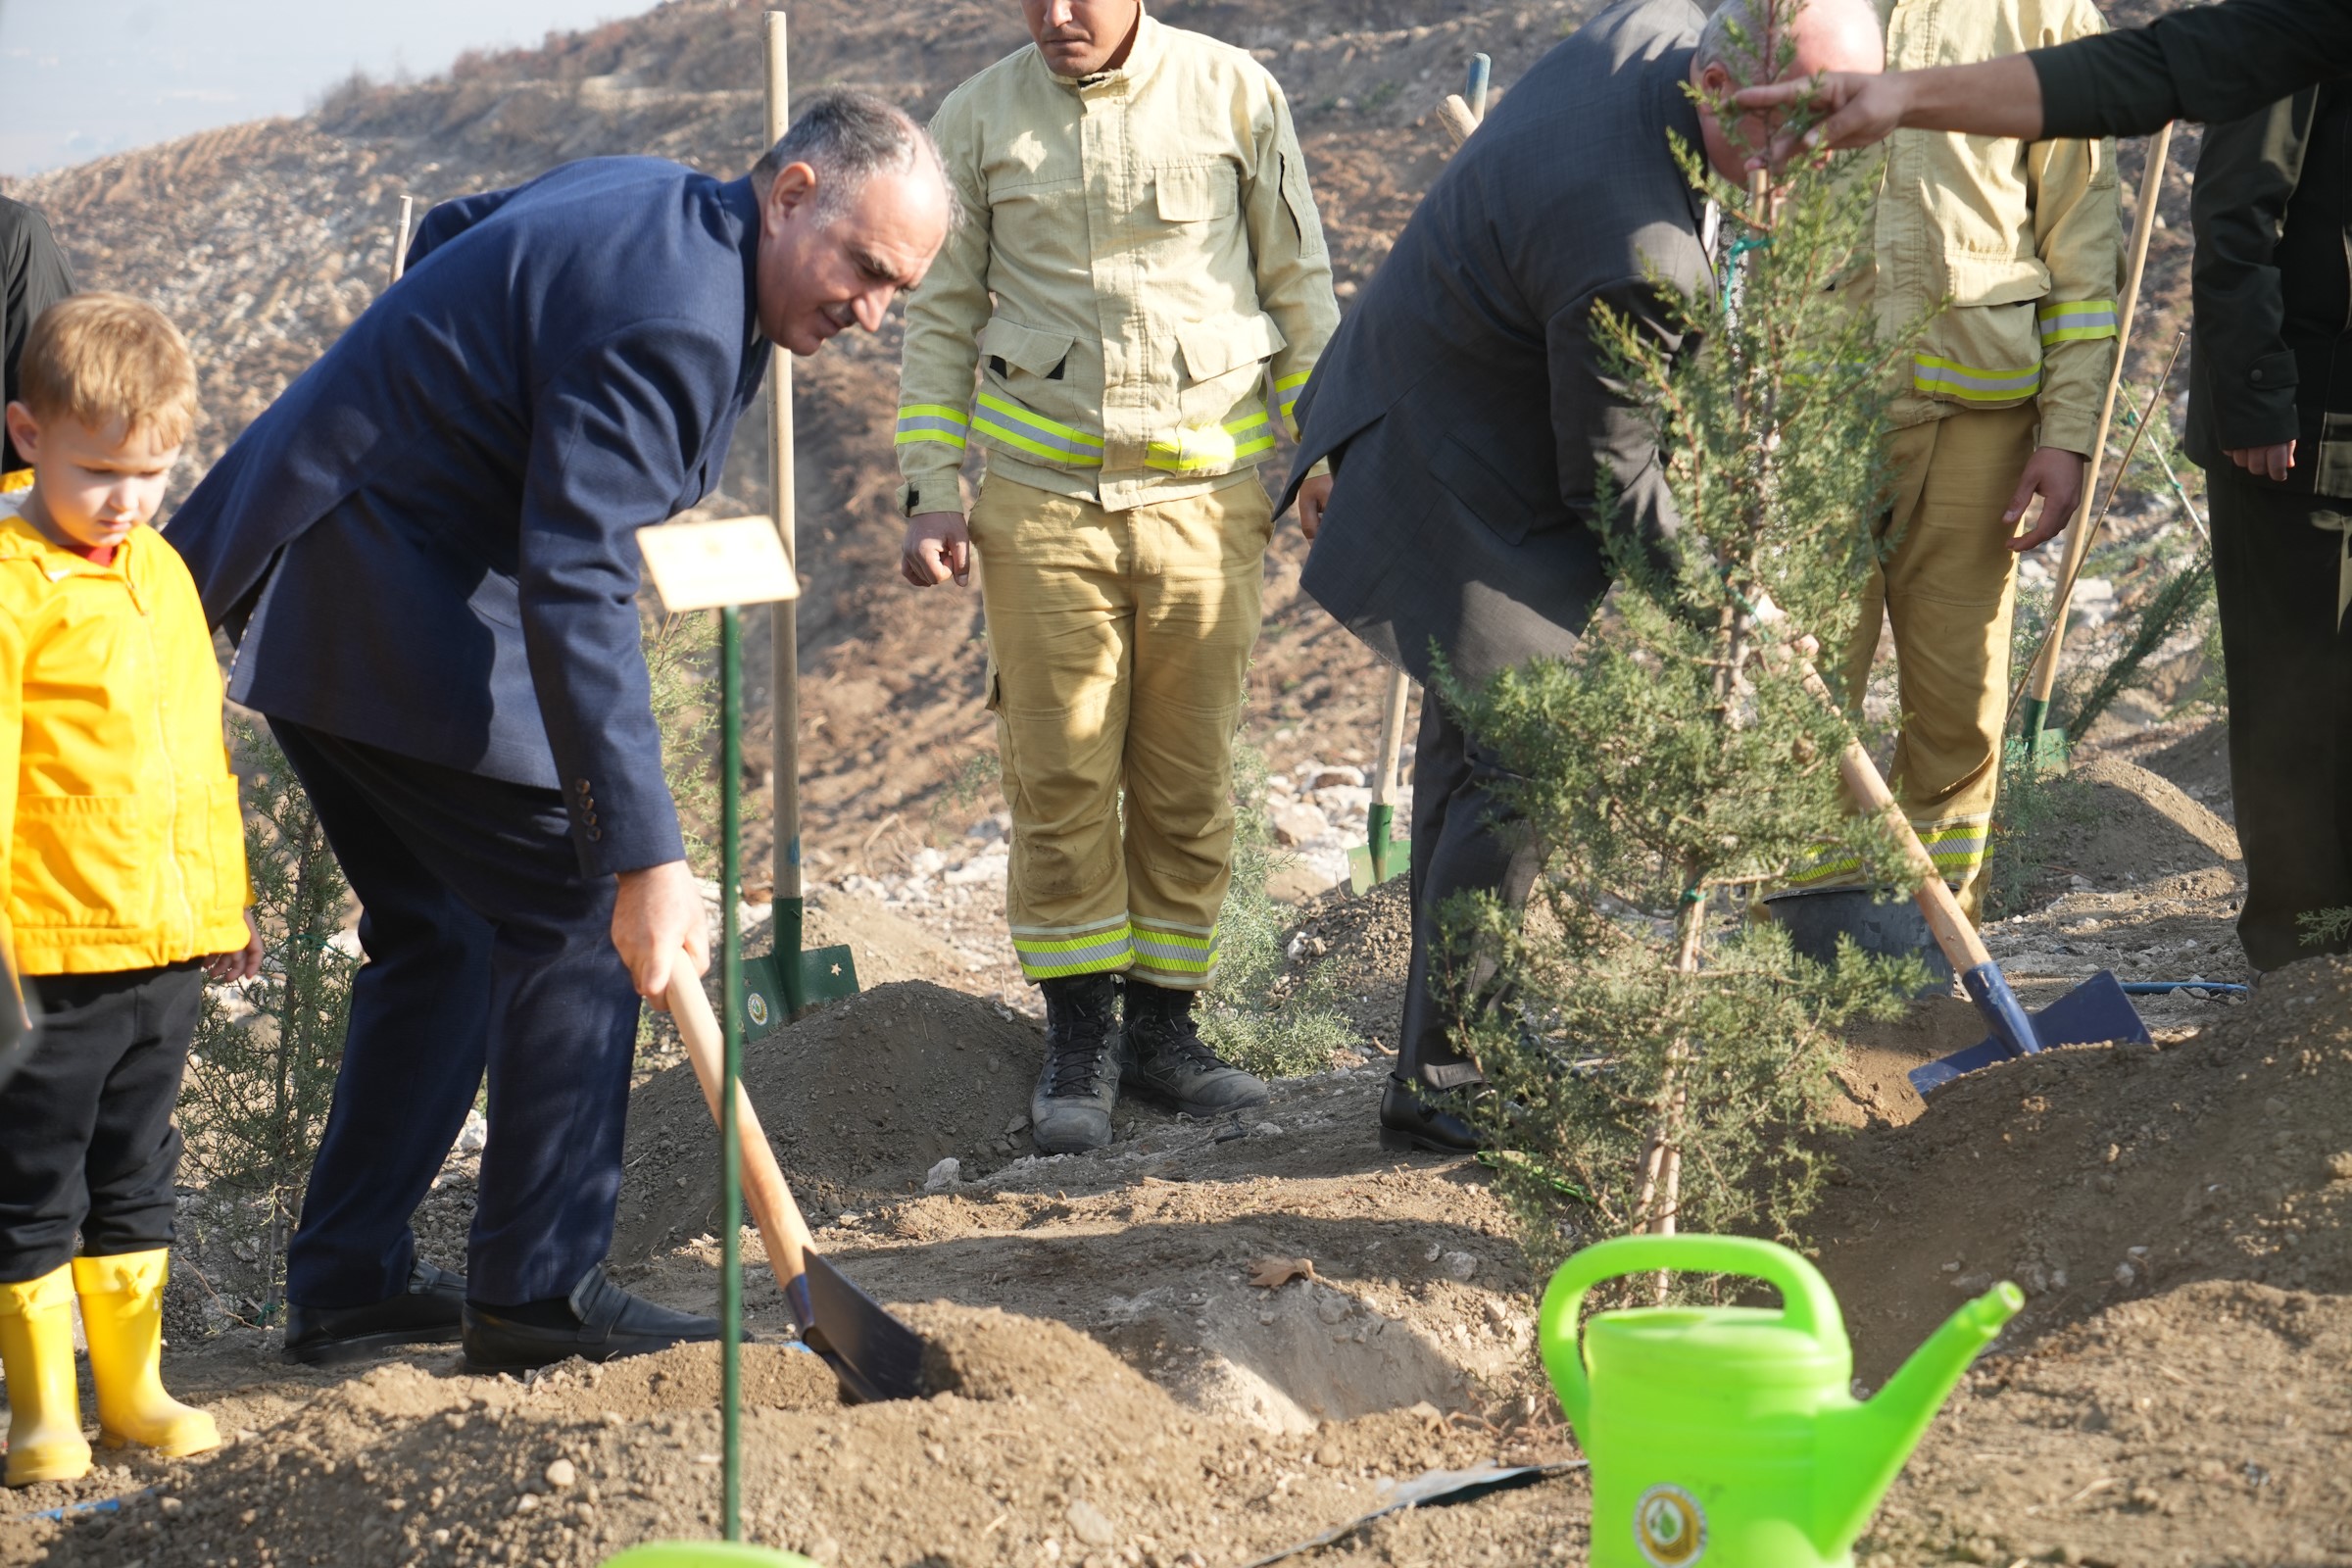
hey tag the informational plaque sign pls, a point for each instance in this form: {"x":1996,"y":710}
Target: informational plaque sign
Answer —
{"x":702,"y":565}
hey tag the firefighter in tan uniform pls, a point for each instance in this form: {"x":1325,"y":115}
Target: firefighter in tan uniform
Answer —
{"x":2014,"y":249}
{"x":1141,"y":294}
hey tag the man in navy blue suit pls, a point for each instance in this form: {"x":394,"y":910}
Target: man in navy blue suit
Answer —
{"x":426,"y":552}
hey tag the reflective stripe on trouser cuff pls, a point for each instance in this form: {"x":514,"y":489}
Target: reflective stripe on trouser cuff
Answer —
{"x":1957,"y":846}
{"x":1285,"y":396}
{"x":2077,"y":320}
{"x":1212,"y":446}
{"x":1970,"y":384}
{"x":1176,"y":955}
{"x":1831,"y":865}
{"x":1033,"y":433}
{"x":1056,"y":955}
{"x":932,"y":421}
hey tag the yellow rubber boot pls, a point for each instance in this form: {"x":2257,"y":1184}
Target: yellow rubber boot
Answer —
{"x":44,"y":1408}
{"x":122,"y":1318}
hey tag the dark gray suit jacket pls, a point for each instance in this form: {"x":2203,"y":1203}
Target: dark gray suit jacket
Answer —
{"x":1471,"y":418}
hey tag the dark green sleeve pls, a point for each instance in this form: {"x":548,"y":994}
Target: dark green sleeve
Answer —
{"x":2209,"y":63}
{"x":2246,"y":175}
{"x":33,"y":277}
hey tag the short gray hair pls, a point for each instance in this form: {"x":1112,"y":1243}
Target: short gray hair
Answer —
{"x":1733,"y":40}
{"x":848,"y":138}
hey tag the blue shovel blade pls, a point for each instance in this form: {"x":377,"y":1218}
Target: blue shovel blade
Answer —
{"x":2093,"y":1014}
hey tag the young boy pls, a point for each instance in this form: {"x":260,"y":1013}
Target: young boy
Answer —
{"x":122,"y":875}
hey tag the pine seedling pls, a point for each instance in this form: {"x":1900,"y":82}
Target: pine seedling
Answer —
{"x":262,"y":1070}
{"x":1664,"y":1062}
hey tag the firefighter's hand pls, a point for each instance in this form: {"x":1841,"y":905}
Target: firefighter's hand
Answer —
{"x":939,"y":546}
{"x":2056,"y":475}
{"x":1315,"y":494}
{"x":2265,"y":463}
{"x":224,"y":969}
{"x":658,"y":924}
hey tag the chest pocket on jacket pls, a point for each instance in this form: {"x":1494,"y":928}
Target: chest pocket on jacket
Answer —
{"x":1196,"y":193}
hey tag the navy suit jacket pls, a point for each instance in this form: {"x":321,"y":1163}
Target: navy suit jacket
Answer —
{"x":427,"y":543}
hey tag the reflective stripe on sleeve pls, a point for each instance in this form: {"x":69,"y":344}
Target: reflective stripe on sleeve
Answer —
{"x":1212,"y":446}
{"x":1056,"y":955}
{"x":932,"y":421}
{"x":1003,"y":419}
{"x":2077,"y":320}
{"x":1285,"y":396}
{"x":1949,"y":379}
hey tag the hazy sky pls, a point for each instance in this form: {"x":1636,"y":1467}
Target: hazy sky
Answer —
{"x":83,"y":78}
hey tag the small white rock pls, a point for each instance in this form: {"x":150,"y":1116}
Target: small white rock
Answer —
{"x":560,"y":1475}
{"x":1458,"y":1265}
{"x":947,"y":1173}
{"x":1089,"y":1524}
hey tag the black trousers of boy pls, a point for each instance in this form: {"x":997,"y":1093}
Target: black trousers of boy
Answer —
{"x":2290,"y":670}
{"x":488,"y":955}
{"x":86,"y":1141}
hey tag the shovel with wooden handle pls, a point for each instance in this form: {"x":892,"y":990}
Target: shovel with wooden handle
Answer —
{"x":1383,"y":855}
{"x":2094,"y":1012}
{"x":873,"y":1355}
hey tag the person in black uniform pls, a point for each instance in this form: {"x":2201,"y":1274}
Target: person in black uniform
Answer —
{"x":2270,"y":391}
{"x":2209,"y":64}
{"x":33,"y":276}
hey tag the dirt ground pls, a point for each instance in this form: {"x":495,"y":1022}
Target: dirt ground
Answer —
{"x":1111,"y":1386}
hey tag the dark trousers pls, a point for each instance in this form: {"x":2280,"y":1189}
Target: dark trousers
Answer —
{"x":86,"y":1141}
{"x":2290,"y":670}
{"x":489,"y":952}
{"x":1461,"y":843}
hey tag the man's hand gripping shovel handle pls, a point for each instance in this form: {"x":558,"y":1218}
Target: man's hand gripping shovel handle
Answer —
{"x":765,"y":1191}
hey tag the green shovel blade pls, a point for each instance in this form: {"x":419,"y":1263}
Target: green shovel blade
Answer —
{"x":826,"y":974}
{"x":1382,"y":858}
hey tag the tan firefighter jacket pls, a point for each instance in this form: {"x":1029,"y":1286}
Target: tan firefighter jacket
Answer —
{"x":1141,"y":285}
{"x":2021,"y":242}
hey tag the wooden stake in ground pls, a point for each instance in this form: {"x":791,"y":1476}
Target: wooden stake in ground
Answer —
{"x":784,"y":683}
{"x":400,"y":240}
{"x":2035,"y":709}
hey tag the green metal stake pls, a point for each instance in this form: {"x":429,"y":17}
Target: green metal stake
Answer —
{"x":730,"y":1133}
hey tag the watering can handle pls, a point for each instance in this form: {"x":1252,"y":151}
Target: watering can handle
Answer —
{"x":1806,"y":1303}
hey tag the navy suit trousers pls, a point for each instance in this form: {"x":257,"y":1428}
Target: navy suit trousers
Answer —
{"x":488,"y":952}
{"x":1463,"y":842}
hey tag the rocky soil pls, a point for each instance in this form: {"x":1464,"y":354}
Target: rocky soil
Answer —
{"x":1209,"y":1341}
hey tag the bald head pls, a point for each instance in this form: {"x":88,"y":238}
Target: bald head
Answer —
{"x":1743,"y":44}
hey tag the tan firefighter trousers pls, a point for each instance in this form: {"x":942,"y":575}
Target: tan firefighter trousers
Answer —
{"x":1118,"y":643}
{"x":1948,"y":590}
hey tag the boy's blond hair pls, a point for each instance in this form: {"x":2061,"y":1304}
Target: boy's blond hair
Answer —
{"x":97,"y":358}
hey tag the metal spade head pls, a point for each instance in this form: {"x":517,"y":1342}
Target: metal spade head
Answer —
{"x":2093,"y":1014}
{"x":875,"y":1356}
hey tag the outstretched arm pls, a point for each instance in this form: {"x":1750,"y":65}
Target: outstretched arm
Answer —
{"x":2209,"y":63}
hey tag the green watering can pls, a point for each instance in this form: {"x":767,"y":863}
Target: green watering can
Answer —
{"x":1728,"y":1435}
{"x":705,"y":1555}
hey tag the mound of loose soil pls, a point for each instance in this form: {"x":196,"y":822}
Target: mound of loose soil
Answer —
{"x":862,"y":1097}
{"x":2212,"y":1425}
{"x":1365,"y":942}
{"x":2096,"y":1175}
{"x":2199,"y":763}
{"x":1040,"y":1446}
{"x":2118,"y":825}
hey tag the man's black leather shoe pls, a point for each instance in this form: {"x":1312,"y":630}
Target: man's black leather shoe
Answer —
{"x":426,"y":1312}
{"x":598,"y":1321}
{"x":1431,"y":1126}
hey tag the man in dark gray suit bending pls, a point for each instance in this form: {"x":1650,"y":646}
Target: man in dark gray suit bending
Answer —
{"x":1473,"y":426}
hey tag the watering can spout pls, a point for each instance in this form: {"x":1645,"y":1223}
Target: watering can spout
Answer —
{"x":1866,"y":1445}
